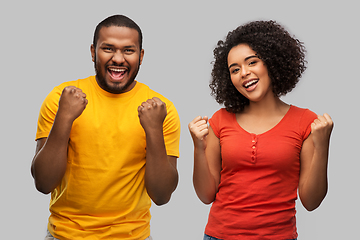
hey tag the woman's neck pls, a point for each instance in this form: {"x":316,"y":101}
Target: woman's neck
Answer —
{"x":267,"y":107}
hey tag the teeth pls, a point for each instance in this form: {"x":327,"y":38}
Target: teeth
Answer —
{"x":116,"y":70}
{"x":248,"y":84}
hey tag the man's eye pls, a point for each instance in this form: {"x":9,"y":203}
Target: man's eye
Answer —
{"x":129,"y":51}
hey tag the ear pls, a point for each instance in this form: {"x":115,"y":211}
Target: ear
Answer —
{"x":92,"y":50}
{"x":141,"y":55}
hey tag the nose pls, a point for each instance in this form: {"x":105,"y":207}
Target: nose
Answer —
{"x":118,"y":57}
{"x":244,"y":71}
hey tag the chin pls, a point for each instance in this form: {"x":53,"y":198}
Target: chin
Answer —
{"x":118,"y":87}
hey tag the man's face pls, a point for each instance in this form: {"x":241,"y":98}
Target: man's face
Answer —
{"x":117,"y":57}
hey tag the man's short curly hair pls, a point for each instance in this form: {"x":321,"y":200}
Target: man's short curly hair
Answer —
{"x":283,"y":55}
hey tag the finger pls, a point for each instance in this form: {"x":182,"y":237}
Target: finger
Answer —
{"x":315,"y":125}
{"x":328,"y":118}
{"x":146,"y":105}
{"x":199,"y":130}
{"x":151,"y":102}
{"x":201,"y":123}
{"x":76,"y":91}
{"x":140,"y":108}
{"x":82,"y":94}
{"x":194,"y":124}
{"x":157,"y":100}
{"x":202,"y":136}
{"x":321,"y":118}
{"x":70,"y":87}
{"x":72,"y":90}
{"x":203,"y":127}
{"x":206,"y":118}
{"x":198,"y":118}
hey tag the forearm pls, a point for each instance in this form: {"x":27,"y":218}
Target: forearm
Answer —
{"x":161,"y":176}
{"x":49,"y":164}
{"x":314,"y":188}
{"x":203,"y":180}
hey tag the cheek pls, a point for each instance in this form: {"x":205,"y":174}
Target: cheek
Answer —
{"x":236,"y":82}
{"x":134,"y":62}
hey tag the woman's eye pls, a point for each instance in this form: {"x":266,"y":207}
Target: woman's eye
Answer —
{"x":235,"y":70}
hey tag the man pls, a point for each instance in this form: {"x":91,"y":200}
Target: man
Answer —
{"x":106,"y":144}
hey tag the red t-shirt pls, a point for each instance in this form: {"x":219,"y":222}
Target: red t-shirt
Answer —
{"x":259,"y":177}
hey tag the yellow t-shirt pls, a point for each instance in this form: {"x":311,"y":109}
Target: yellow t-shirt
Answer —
{"x":102,"y":195}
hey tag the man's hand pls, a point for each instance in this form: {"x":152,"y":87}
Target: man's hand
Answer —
{"x":152,"y":114}
{"x":72,"y":102}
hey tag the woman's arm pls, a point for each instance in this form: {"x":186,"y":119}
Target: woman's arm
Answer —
{"x":207,"y":160}
{"x":313,"y":183}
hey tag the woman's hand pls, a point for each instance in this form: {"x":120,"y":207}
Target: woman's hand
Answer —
{"x":199,"y":130}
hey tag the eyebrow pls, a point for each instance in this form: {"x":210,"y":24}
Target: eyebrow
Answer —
{"x":247,"y":58}
{"x":106,"y":44}
{"x":111,"y":45}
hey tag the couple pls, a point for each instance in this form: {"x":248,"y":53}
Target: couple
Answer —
{"x":107,"y":145}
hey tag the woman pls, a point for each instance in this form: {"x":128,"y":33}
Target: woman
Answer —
{"x":258,"y":150}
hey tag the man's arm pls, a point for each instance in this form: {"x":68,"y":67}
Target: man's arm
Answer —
{"x":161,"y":176}
{"x":50,"y":160}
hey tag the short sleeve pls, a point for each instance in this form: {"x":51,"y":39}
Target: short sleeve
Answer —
{"x":171,"y":129}
{"x":307,"y":118}
{"x":47,"y":113}
{"x":214,"y":121}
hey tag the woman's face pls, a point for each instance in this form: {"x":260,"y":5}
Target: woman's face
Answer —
{"x":248,"y":73}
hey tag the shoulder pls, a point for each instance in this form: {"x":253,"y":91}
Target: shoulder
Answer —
{"x":221,"y":119}
{"x":302,"y":118}
{"x":146,"y":92}
{"x":221,"y":114}
{"x":80,"y":83}
{"x":303,"y":114}
{"x":53,"y":96}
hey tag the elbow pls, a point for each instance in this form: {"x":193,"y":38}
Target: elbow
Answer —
{"x":311,"y":207}
{"x":207,"y":202}
{"x":160,"y":197}
{"x":39,"y":185}
{"x":42,"y":189}
{"x":159,"y":201}
{"x":313,"y":204}
{"x":206,"y":199}
{"x":42,"y":185}
{"x":204,"y":196}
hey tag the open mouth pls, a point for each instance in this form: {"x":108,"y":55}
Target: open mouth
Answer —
{"x":250,"y":83}
{"x":117,"y":73}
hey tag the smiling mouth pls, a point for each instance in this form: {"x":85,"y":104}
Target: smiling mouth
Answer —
{"x":117,"y":73}
{"x":250,"y":83}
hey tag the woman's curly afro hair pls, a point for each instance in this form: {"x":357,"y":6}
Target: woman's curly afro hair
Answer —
{"x":283,"y":55}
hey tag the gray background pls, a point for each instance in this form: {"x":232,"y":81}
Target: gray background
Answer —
{"x":44,"y":43}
